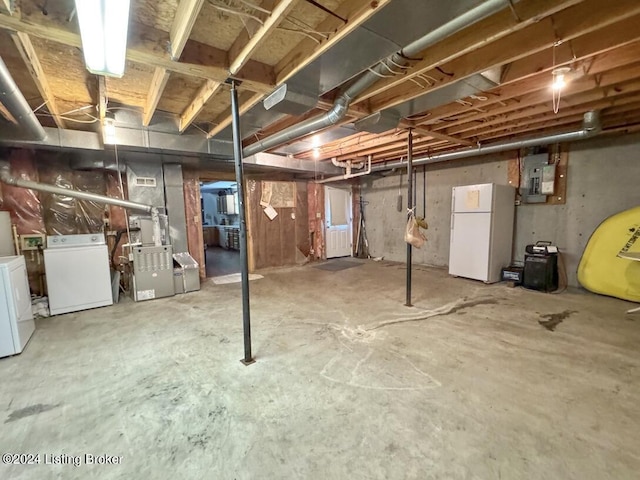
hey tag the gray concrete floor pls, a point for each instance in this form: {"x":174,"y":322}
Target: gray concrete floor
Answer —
{"x":348,"y":383}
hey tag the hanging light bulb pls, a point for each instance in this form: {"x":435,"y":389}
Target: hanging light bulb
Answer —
{"x":559,"y":78}
{"x":558,"y":84}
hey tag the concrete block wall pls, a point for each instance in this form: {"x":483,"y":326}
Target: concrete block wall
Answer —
{"x":602,"y":180}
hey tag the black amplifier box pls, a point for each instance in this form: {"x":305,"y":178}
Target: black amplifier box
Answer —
{"x":541,"y":271}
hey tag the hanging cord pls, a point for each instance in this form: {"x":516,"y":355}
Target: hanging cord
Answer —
{"x":555,"y":92}
{"x":126,"y":215}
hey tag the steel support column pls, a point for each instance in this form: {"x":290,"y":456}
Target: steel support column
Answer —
{"x":410,"y":206}
{"x":244,"y":265}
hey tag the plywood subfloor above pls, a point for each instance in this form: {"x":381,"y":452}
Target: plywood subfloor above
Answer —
{"x":133,"y":87}
{"x":18,"y":71}
{"x":215,"y":27}
{"x":65,"y":71}
{"x":282,"y":41}
{"x":156,"y":14}
{"x":179,"y":93}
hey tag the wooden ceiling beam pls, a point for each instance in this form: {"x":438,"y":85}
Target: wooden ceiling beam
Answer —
{"x":426,"y":148}
{"x":205,"y":93}
{"x":597,"y":63}
{"x":246,"y":45}
{"x":146,"y":47}
{"x":6,"y":114}
{"x":31,"y":61}
{"x":560,"y":124}
{"x":584,"y":18}
{"x":102,"y":97}
{"x":472,"y":38}
{"x":550,"y":126}
{"x":581,"y":90}
{"x":612,"y":37}
{"x":355,"y":143}
{"x":439,"y":135}
{"x":156,"y":88}
{"x":544,"y":113}
{"x":183,"y":21}
{"x":5,"y":7}
{"x":224,"y":119}
{"x":239,"y":54}
{"x":393,"y":148}
{"x":356,"y":12}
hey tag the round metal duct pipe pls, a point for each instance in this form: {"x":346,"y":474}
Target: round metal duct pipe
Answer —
{"x":15,"y":103}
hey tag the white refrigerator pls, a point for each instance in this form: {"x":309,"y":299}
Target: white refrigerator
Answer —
{"x":482,"y":218}
{"x":16,"y":319}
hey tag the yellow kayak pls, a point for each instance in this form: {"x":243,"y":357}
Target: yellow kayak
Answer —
{"x":601,"y":270}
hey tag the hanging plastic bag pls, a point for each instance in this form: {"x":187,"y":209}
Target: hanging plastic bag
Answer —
{"x":412,"y":234}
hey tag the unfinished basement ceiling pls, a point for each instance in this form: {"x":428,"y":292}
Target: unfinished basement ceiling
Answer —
{"x":318,"y":48}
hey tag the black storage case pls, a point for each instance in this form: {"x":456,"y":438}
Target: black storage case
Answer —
{"x":541,"y":271}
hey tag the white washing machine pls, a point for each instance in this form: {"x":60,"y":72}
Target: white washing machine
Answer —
{"x":78,"y":272}
{"x":16,"y":319}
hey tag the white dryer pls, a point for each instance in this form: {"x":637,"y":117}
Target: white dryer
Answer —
{"x":16,"y":319}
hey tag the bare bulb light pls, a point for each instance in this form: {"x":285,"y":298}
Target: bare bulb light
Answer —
{"x":558,"y":82}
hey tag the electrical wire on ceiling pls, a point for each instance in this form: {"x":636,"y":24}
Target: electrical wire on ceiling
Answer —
{"x":227,"y":9}
{"x":304,"y":28}
{"x":247,"y":10}
{"x":64,"y":115}
{"x":418,"y":117}
{"x":381,"y":75}
{"x":326,"y":10}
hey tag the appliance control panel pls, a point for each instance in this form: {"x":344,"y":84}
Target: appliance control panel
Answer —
{"x":62,"y":241}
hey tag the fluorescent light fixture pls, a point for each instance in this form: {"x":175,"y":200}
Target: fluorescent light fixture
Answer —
{"x":103,"y":28}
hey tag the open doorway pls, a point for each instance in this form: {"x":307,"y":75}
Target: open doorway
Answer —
{"x":220,"y":227}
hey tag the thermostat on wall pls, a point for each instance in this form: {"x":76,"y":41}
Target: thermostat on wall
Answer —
{"x":32,"y":241}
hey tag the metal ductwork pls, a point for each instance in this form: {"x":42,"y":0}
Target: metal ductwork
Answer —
{"x":590,"y":127}
{"x":5,"y":177}
{"x":383,"y":68}
{"x":28,"y":126}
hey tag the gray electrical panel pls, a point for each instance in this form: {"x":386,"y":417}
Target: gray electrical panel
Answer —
{"x":538,"y":178}
{"x":152,"y":272}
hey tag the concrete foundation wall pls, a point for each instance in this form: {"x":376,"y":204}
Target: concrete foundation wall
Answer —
{"x":602,"y":180}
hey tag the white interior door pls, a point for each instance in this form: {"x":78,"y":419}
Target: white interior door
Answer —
{"x":339,"y":219}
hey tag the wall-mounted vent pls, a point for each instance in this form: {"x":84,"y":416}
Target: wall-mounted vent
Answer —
{"x":145,"y":182}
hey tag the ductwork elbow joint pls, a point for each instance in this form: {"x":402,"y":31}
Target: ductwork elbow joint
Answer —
{"x":338,"y":111}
